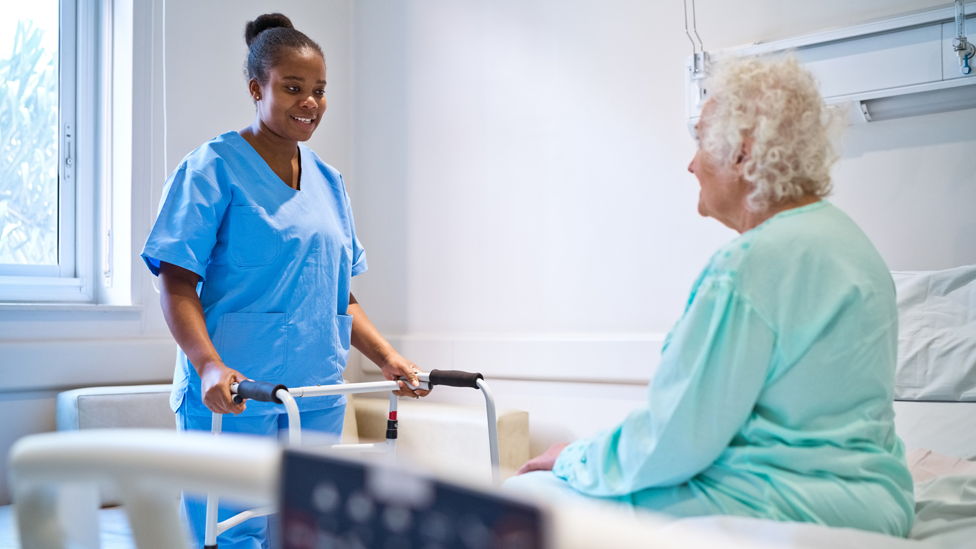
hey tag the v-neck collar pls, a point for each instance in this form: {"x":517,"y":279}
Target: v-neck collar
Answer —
{"x":262,"y":164}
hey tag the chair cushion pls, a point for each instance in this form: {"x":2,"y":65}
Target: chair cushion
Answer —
{"x":448,"y":438}
{"x":135,"y":407}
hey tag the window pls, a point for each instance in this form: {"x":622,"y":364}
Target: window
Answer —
{"x":41,"y":246}
{"x":29,"y":124}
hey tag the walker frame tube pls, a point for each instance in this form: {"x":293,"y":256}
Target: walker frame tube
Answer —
{"x":492,"y":431}
{"x":287,"y":397}
{"x":210,"y":532}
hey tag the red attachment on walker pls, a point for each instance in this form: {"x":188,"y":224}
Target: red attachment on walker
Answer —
{"x":393,"y":415}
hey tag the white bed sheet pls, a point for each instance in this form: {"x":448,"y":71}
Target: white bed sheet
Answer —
{"x":945,"y":518}
{"x":945,"y":512}
{"x":751,"y":533}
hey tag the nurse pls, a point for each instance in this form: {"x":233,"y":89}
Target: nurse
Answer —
{"x":773,"y":396}
{"x":255,"y":247}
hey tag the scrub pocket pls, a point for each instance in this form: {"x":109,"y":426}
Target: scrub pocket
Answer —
{"x":254,"y":344}
{"x":344,"y":333}
{"x":254,"y":241}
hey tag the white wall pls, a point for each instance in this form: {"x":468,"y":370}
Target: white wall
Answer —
{"x":911,"y":184}
{"x":522,"y":195}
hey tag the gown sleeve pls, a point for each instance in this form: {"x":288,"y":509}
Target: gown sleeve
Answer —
{"x":185,"y":231}
{"x":712,"y":371}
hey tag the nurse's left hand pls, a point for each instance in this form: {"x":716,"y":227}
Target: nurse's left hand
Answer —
{"x":215,"y":381}
{"x":396,"y":367}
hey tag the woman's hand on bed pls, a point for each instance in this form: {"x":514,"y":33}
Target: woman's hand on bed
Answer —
{"x":396,"y":367}
{"x":545,"y":462}
{"x":215,"y":381}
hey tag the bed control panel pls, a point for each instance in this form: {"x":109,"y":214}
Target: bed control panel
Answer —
{"x":332,"y":502}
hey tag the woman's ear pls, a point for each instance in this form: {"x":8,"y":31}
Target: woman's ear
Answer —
{"x":745,"y":154}
{"x":745,"y":151}
{"x":254,"y":88}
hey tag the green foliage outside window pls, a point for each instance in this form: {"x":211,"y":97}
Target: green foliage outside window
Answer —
{"x":29,"y":151}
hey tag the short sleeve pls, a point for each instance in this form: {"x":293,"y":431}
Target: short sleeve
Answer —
{"x":185,"y":230}
{"x":359,"y":265}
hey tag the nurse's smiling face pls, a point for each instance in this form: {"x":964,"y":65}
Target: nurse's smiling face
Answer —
{"x":291,"y":103}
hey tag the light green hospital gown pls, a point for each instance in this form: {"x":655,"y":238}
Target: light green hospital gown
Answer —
{"x":773,"y":397}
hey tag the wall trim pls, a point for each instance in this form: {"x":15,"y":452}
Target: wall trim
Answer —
{"x":596,"y":358}
{"x":54,"y":365}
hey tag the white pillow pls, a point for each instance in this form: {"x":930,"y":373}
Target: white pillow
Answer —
{"x":937,"y":335}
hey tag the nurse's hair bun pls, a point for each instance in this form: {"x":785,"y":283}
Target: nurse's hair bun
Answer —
{"x":270,"y":37}
{"x":264,"y":22}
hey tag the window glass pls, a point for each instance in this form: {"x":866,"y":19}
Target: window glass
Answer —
{"x":29,"y":136}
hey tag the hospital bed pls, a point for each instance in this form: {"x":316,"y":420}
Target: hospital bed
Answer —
{"x":935,"y":416}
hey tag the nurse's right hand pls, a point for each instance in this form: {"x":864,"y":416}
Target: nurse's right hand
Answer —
{"x":215,"y":382}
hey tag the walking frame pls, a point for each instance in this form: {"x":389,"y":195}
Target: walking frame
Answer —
{"x":268,"y":392}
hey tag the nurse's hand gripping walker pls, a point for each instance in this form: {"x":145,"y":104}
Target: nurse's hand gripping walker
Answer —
{"x":268,"y":392}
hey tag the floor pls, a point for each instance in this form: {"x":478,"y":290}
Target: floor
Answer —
{"x":114,"y":527}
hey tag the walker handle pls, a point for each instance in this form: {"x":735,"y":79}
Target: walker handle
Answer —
{"x":261,"y":391}
{"x":455,"y":378}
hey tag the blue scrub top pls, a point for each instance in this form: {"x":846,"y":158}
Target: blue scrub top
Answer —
{"x":275,"y":266}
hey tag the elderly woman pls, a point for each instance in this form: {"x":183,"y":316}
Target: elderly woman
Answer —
{"x":773,"y":398}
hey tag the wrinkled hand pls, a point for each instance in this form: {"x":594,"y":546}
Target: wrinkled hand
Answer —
{"x":215,"y":381}
{"x":397,"y":367}
{"x":544,"y":462}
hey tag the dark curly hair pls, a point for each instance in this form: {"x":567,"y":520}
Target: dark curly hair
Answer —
{"x":268,"y":37}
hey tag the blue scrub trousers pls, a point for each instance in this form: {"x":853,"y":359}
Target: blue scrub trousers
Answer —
{"x":252,"y":533}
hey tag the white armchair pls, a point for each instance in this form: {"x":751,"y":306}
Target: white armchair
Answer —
{"x":432,"y":436}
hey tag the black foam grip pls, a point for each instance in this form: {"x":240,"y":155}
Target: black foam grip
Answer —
{"x":455,"y":378}
{"x":262,"y":391}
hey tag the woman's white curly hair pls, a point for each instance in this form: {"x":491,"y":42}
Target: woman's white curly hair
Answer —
{"x":775,"y":103}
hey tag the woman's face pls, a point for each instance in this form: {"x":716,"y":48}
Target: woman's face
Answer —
{"x":291,"y":103}
{"x":723,"y":191}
